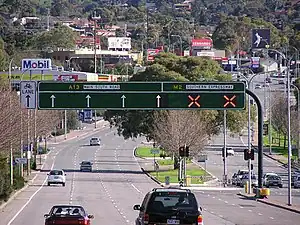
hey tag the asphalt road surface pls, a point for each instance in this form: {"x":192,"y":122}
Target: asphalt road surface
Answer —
{"x":115,"y":185}
{"x":215,"y":164}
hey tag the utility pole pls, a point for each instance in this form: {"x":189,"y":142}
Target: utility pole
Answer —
{"x":96,"y":18}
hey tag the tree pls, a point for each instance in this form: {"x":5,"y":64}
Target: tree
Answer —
{"x":173,"y":129}
{"x":169,"y":67}
{"x":60,"y":37}
{"x":279,"y":121}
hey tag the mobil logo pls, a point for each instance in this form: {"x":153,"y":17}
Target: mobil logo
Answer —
{"x":36,"y":64}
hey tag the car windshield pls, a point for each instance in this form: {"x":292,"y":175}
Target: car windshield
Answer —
{"x":272,"y":177}
{"x":241,"y":172}
{"x":67,"y":210}
{"x":165,"y":201}
{"x":56,"y":172}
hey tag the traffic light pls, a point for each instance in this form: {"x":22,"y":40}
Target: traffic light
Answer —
{"x":251,"y":166}
{"x":184,"y":151}
{"x":181,"y":151}
{"x":248,"y":154}
{"x":223,"y":152}
{"x":187,"y":151}
{"x":266,"y":129}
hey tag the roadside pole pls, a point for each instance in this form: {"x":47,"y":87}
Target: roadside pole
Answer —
{"x":225,"y":149}
{"x":249,"y":142}
{"x":65,"y":124}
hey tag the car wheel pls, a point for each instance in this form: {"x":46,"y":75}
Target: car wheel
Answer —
{"x":63,"y":184}
{"x":48,"y":184}
{"x":267,"y":186}
{"x":280,"y":185}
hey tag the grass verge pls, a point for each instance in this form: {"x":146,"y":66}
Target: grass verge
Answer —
{"x":192,"y":170}
{"x":145,"y":151}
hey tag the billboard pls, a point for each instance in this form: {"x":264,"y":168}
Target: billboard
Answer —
{"x":119,"y":43}
{"x":202,"y":43}
{"x":36,"y":64}
{"x":151,"y":53}
{"x":260,"y":38}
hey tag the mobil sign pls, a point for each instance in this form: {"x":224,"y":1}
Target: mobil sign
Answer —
{"x":36,"y":64}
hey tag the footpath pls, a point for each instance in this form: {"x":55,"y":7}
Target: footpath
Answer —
{"x":29,"y":179}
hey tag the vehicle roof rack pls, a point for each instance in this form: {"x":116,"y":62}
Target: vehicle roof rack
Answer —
{"x":171,"y":187}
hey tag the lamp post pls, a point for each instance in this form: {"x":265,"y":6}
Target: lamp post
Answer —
{"x":69,"y":61}
{"x":176,"y":35}
{"x":11,"y":128}
{"x":248,"y":82}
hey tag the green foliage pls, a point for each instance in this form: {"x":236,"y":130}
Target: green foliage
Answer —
{"x":72,"y":120}
{"x":235,"y":32}
{"x":60,"y":37}
{"x":5,"y":188}
{"x":169,"y":67}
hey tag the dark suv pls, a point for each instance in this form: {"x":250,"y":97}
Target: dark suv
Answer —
{"x":169,"y":206}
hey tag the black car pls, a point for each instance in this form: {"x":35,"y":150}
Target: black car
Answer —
{"x":67,"y":214}
{"x":169,"y":206}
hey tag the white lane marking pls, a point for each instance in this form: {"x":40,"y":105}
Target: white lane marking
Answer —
{"x":220,"y":216}
{"x":232,"y":204}
{"x":30,"y":199}
{"x":135,"y":188}
{"x":249,"y":210}
{"x":226,"y":201}
{"x":259,"y":214}
{"x":271,"y":218}
{"x":241,"y":207}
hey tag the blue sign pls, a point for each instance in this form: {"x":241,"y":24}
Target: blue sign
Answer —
{"x":81,"y":116}
{"x":87,"y":114}
{"x":260,"y":38}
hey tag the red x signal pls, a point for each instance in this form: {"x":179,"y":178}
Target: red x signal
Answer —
{"x":194,"y":101}
{"x":229,"y":101}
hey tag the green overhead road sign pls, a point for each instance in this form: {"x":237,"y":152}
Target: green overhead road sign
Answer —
{"x":141,"y":95}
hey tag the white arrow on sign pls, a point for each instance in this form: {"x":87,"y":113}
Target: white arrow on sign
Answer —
{"x":52,"y":100}
{"x":123,"y":100}
{"x":88,"y":97}
{"x":158,"y":100}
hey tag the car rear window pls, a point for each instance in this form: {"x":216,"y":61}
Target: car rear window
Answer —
{"x":273,"y":178}
{"x":94,"y":139}
{"x":86,"y":163}
{"x":56,"y":172}
{"x":164,"y":201}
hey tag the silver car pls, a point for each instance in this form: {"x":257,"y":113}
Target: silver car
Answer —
{"x":245,"y":178}
{"x":95,"y":141}
{"x":272,"y":180}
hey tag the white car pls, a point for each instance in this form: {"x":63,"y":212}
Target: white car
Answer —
{"x":297,"y":182}
{"x":230,"y":151}
{"x":56,"y":177}
{"x":95,"y":141}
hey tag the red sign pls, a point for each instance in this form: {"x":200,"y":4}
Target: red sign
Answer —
{"x":151,"y":53}
{"x":202,"y":43}
{"x":66,"y":77}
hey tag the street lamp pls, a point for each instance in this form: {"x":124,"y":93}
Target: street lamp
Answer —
{"x":176,"y":35}
{"x":69,"y":61}
{"x":289,"y":126}
{"x":248,"y":82}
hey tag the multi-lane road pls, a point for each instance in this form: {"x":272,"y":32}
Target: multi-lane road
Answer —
{"x":116,"y":184}
{"x":236,"y":162}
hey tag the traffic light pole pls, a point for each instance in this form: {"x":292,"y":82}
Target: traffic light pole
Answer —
{"x":225,"y":149}
{"x":260,"y":136}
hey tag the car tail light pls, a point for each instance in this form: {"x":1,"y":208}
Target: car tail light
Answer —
{"x":200,"y":220}
{"x":146,"y":219}
{"x":83,"y":221}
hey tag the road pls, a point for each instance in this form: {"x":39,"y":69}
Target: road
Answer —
{"x":215,"y":166}
{"x":115,"y":185}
